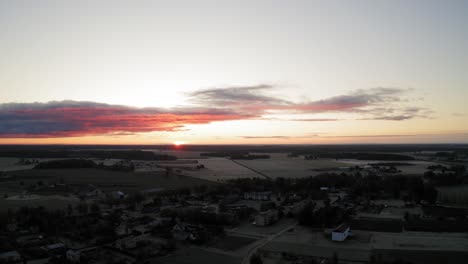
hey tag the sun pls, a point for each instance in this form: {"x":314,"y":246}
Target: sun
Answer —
{"x":179,"y":143}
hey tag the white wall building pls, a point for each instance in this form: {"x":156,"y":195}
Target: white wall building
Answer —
{"x":341,"y":232}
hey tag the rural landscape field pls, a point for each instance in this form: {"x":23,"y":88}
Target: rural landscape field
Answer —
{"x":233,"y":132}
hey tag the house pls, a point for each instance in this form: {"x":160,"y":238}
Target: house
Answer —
{"x":266,"y":218}
{"x":10,"y":257}
{"x":73,"y":256}
{"x":341,"y":232}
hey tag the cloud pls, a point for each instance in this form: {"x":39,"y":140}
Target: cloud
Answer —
{"x":79,"y":118}
{"x":265,"y":137}
{"x":279,"y":137}
{"x":74,"y":118}
{"x":246,"y":99}
{"x":256,"y":101}
{"x":314,"y":119}
{"x":397,"y":135}
{"x":398,"y":114}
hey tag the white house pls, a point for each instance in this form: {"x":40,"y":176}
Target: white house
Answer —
{"x":341,"y":232}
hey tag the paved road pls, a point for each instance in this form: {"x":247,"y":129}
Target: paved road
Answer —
{"x":263,"y":242}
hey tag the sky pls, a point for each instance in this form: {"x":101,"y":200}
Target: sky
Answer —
{"x":233,"y":72}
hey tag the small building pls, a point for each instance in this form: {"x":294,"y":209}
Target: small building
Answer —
{"x":266,"y":218}
{"x":341,"y":232}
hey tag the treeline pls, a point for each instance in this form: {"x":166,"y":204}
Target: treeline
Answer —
{"x":440,"y":175}
{"x":369,"y":187}
{"x":354,"y":155}
{"x":101,"y":154}
{"x":83,"y":164}
{"x":327,"y":216}
{"x":306,"y":185}
{"x":242,"y":155}
{"x":66,"y":164}
{"x":250,"y":157}
{"x":223,"y":154}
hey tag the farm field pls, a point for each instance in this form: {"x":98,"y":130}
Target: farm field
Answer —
{"x":52,"y":202}
{"x":11,"y":164}
{"x":220,"y":169}
{"x":105,"y":179}
{"x":282,"y":166}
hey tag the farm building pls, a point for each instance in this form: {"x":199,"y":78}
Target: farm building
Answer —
{"x":341,"y":232}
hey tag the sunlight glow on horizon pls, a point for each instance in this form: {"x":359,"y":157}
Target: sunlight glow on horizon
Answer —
{"x":233,"y":72}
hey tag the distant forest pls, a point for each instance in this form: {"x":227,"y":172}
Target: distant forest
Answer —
{"x":100,"y":154}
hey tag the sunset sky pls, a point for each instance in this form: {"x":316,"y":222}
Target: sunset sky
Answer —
{"x":233,"y":72}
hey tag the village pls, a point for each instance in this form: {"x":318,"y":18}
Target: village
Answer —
{"x":360,"y":216}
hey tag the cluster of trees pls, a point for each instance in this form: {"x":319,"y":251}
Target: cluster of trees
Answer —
{"x":327,"y":216}
{"x":244,"y":155}
{"x":63,"y":222}
{"x":371,"y":187}
{"x":352,"y":155}
{"x":285,"y":185}
{"x":66,"y":164}
{"x":83,"y":164}
{"x":444,"y":176}
{"x":396,"y":186}
{"x":102,"y":154}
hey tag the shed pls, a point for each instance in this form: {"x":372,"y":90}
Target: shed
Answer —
{"x":341,"y":232}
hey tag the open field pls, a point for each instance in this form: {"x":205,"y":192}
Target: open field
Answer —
{"x":50,"y":202}
{"x":104,"y":179}
{"x":197,"y":255}
{"x":219,"y":169}
{"x":11,"y":164}
{"x":231,"y":243}
{"x":279,"y":165}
